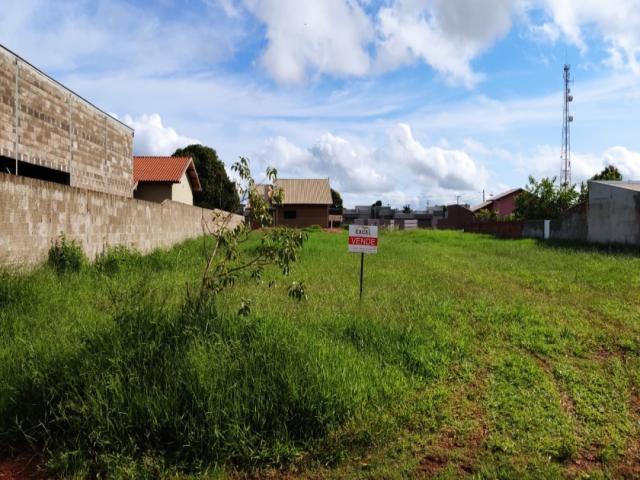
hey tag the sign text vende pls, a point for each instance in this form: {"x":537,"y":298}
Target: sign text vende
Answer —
{"x":363,"y":239}
{"x":373,"y":242}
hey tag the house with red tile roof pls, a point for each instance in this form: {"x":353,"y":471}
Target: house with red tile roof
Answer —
{"x":157,"y":179}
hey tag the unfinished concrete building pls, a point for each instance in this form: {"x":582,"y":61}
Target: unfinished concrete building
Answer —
{"x":50,"y":133}
{"x":613,"y":214}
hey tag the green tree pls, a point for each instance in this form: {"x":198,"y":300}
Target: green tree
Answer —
{"x":336,"y":198}
{"x":608,"y":173}
{"x":544,"y":199}
{"x":375,"y":209}
{"x":218,"y":191}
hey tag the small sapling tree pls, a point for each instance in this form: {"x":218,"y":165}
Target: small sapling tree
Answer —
{"x":278,"y":246}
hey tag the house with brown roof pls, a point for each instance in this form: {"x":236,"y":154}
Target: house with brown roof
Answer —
{"x":157,"y":179}
{"x":306,"y":202}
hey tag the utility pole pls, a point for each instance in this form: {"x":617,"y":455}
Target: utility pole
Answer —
{"x":565,"y":169}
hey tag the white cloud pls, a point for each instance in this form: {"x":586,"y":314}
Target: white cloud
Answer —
{"x":303,"y":39}
{"x":337,"y":37}
{"x":628,"y":162}
{"x":447,"y":35}
{"x":356,"y":167}
{"x":229,"y":7}
{"x":153,"y":138}
{"x":399,"y":171}
{"x":617,"y":21}
{"x":328,"y":36}
{"x":448,"y":168}
{"x":114,"y":35}
{"x":545,"y":162}
{"x":352,"y":167}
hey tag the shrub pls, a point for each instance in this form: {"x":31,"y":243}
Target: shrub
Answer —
{"x":155,"y":379}
{"x":544,"y":199}
{"x":313,"y":228}
{"x":12,"y":288}
{"x":66,"y":256}
{"x":486,"y":215}
{"x":112,"y":260}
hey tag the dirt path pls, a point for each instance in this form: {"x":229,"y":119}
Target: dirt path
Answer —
{"x":21,"y":467}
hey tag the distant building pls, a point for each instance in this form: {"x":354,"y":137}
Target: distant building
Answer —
{"x":165,"y":178}
{"x":503,"y":204}
{"x":456,"y":217}
{"x":306,"y":202}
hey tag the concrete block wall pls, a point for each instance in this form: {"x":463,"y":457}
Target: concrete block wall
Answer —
{"x":614,"y":214}
{"x":44,"y":123}
{"x":533,"y":229}
{"x":34,"y":213}
{"x":572,"y":225}
{"x":7,"y":105}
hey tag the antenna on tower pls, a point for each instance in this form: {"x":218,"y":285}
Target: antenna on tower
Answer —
{"x":565,"y":169}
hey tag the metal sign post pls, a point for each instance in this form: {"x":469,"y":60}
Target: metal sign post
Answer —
{"x":361,"y":272}
{"x":363,"y":239}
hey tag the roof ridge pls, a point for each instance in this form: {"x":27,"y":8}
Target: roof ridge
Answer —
{"x":160,"y":169}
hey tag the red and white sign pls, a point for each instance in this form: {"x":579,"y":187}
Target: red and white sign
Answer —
{"x":363,"y":239}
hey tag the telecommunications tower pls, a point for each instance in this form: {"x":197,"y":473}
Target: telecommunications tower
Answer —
{"x":565,"y":169}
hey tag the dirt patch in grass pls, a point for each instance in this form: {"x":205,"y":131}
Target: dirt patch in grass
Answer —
{"x":567,"y":403}
{"x":566,"y":400}
{"x":629,"y":464}
{"x":459,"y":443}
{"x":437,"y":457}
{"x":475,"y":442}
{"x":22,"y":467}
{"x":603,"y":354}
{"x":584,"y":462}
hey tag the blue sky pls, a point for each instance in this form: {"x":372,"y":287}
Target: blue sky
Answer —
{"x":408,"y":101}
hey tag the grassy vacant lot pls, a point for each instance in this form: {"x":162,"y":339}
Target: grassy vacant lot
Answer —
{"x":467,"y":356}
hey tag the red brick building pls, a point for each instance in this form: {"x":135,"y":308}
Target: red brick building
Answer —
{"x":503,"y":204}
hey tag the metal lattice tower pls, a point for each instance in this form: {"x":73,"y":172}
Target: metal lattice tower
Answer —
{"x":565,"y":169}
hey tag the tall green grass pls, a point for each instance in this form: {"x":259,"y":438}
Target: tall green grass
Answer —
{"x":112,"y":372}
{"x":113,"y":366}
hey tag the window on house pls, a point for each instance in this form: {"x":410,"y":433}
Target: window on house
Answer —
{"x":290,"y":214}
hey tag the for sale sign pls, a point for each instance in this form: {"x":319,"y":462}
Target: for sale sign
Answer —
{"x":363,"y":239}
